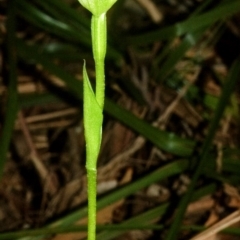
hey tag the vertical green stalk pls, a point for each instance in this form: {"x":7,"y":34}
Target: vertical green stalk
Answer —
{"x":99,"y":43}
{"x":94,"y":102}
{"x":93,"y":133}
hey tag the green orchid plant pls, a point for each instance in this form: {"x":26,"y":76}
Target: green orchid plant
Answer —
{"x":94,"y":102}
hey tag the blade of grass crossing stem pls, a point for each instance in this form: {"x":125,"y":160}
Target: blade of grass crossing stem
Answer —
{"x":12,"y":102}
{"x":228,"y":88}
{"x":164,"y":140}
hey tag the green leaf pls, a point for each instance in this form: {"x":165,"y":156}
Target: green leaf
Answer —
{"x":92,"y":120}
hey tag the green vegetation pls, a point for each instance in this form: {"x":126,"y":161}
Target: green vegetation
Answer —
{"x":178,"y":113}
{"x":93,"y":103}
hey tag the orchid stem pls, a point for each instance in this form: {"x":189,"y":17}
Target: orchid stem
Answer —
{"x":93,"y":103}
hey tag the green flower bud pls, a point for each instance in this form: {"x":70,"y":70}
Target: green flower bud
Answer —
{"x":97,"y":7}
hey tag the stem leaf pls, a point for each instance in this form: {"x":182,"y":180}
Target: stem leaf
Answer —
{"x":93,"y":118}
